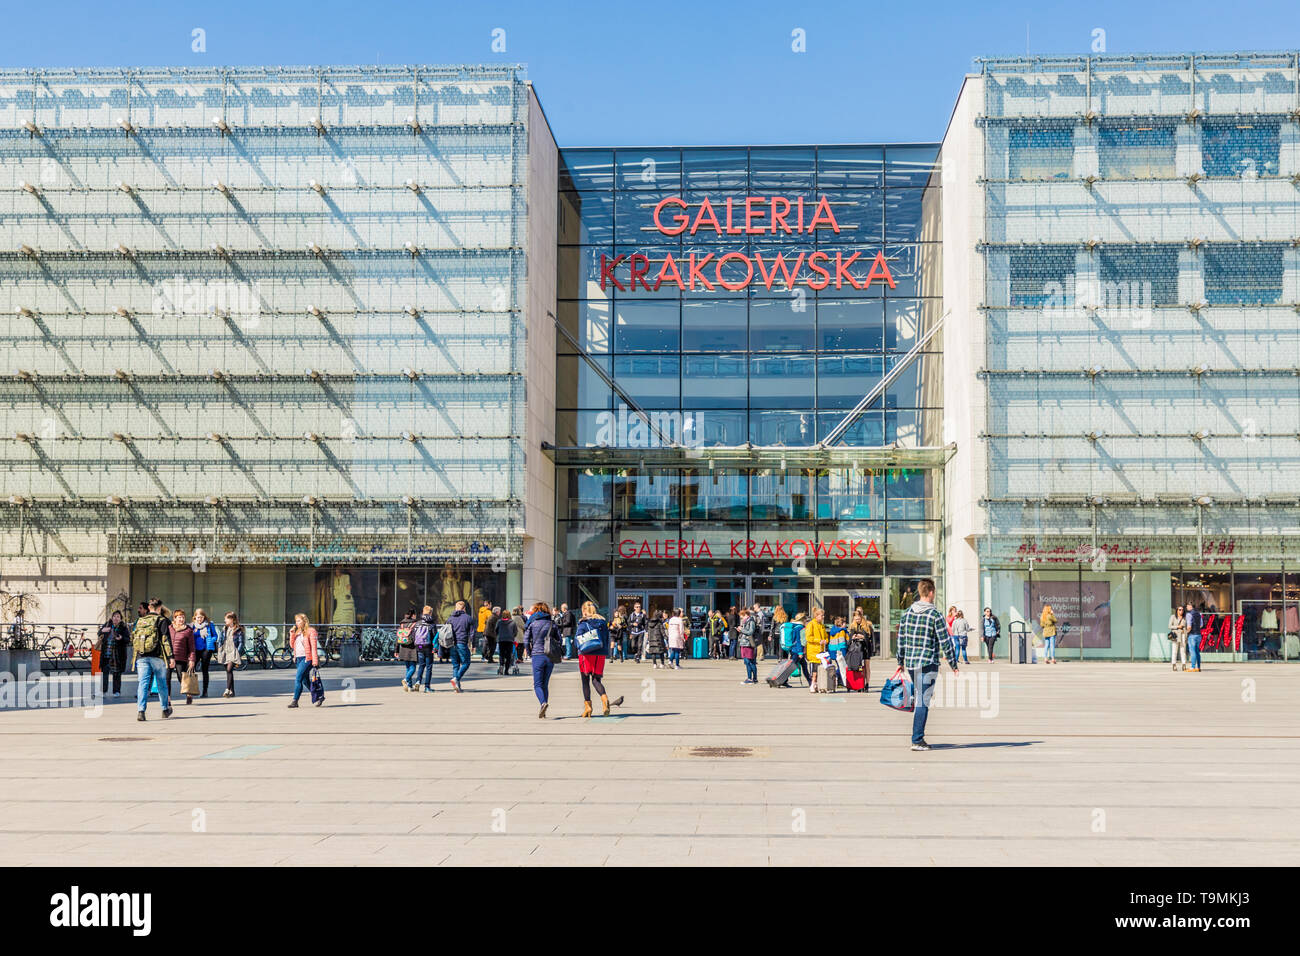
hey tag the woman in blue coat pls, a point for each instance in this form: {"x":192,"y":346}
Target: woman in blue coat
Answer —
{"x":592,"y":640}
{"x":540,"y":630}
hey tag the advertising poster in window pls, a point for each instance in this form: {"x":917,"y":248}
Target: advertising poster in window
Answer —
{"x":1089,"y":622}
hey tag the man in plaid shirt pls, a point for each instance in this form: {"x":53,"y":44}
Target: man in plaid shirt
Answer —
{"x":921,"y":634}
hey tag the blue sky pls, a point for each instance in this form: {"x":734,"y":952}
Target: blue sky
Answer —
{"x":669,"y":72}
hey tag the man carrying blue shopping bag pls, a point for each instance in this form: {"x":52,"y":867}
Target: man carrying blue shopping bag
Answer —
{"x":922,"y":633}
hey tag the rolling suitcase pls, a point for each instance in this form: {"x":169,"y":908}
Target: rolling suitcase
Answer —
{"x":827,"y":678}
{"x":699,"y":647}
{"x":853,"y":680}
{"x":781,"y":672}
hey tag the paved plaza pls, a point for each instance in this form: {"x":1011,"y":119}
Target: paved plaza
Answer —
{"x":1106,"y":764}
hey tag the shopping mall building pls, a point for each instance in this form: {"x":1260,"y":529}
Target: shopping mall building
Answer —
{"x":352,"y":340}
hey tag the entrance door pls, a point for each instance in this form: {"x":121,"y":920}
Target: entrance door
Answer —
{"x":665,"y":601}
{"x":844,"y":603}
{"x":628,"y":600}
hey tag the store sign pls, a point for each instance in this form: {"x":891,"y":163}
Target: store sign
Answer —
{"x":733,"y":271}
{"x":750,"y":549}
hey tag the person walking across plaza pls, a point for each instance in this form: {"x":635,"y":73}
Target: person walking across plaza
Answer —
{"x":1195,"y":624}
{"x":591,"y":638}
{"x":992,"y":630}
{"x":521,"y":642}
{"x":426,"y":636}
{"x":1047,"y":621}
{"x":960,"y":630}
{"x":678,"y":633}
{"x":306,"y":656}
{"x":505,"y":638}
{"x":481,"y":632}
{"x":490,"y":635}
{"x":114,"y":638}
{"x":184,"y":654}
{"x":862,"y":646}
{"x":746,"y":637}
{"x":566,"y":622}
{"x":153,"y":658}
{"x":732,"y":618}
{"x":405,"y":651}
{"x":656,"y":640}
{"x":922,"y":635}
{"x":207,"y":638}
{"x":636,"y":625}
{"x":714,"y":627}
{"x":816,"y":640}
{"x":618,"y":634}
{"x":541,"y":634}
{"x":1178,"y":630}
{"x":231,"y":650}
{"x":462,"y":630}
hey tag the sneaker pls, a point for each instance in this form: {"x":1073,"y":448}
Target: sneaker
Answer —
{"x":139,"y":715}
{"x":405,"y":684}
{"x":426,"y":689}
{"x":516,"y":670}
{"x":228,"y":693}
{"x":542,"y":713}
{"x":293,"y":704}
{"x":922,"y":746}
{"x":167,"y":713}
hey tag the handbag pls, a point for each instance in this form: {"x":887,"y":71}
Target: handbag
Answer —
{"x":589,"y":642}
{"x":897,"y":692}
{"x":317,"y":687}
{"x":190,"y":683}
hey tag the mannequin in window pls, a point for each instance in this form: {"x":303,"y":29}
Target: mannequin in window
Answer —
{"x":345,"y":609}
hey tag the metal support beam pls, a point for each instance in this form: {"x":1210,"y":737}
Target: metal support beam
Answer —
{"x":887,"y":380}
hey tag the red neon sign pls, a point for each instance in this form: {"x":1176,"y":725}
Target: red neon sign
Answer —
{"x":733,"y":271}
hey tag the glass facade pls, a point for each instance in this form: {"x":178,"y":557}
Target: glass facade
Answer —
{"x":770,"y":362}
{"x":264,"y":316}
{"x":1140,"y":279}
{"x":747,"y":299}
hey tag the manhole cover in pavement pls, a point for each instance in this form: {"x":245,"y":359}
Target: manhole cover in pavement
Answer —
{"x":710,"y":752}
{"x":122,"y":740}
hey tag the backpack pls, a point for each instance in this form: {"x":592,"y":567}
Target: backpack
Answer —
{"x":446,"y":636}
{"x":421,"y":634}
{"x":146,"y":636}
{"x":791,"y":636}
{"x":404,"y":638}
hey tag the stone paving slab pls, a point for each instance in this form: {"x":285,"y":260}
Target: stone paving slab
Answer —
{"x":1091,"y":764}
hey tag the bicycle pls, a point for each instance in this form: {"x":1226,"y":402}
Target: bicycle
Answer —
{"x":257,"y":651}
{"x":72,"y":647}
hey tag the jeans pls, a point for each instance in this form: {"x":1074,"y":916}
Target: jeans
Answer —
{"x":1049,"y":647}
{"x":542,"y":668}
{"x":424,"y":654}
{"x":459,"y":661}
{"x":302,"y":678}
{"x":961,"y":649}
{"x":1194,"y":650}
{"x":923,"y":679}
{"x":409,"y":677}
{"x":751,"y":669}
{"x":675,"y":657}
{"x":147,"y":670}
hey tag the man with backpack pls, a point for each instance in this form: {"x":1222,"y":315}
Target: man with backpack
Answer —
{"x":153,"y":657}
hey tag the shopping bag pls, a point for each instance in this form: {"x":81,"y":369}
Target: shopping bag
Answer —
{"x":897,"y":692}
{"x":317,"y":687}
{"x":190,"y":683}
